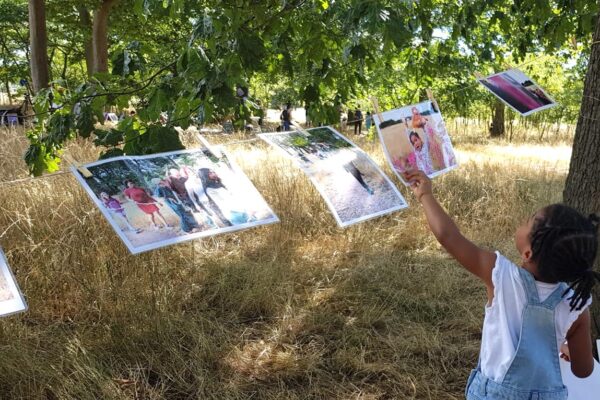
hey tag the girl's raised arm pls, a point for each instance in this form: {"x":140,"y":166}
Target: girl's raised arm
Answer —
{"x":476,"y":260}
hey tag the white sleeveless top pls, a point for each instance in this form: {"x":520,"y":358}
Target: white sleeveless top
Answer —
{"x":503,"y":319}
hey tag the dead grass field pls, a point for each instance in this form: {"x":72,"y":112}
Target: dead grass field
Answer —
{"x":296,"y":310}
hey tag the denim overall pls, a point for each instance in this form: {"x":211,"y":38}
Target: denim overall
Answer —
{"x":534,"y":372}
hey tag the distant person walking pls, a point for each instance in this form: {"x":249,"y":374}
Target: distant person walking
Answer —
{"x":286,"y":116}
{"x":358,"y":120}
{"x":343,"y":120}
{"x":350,"y":120}
{"x":368,"y":120}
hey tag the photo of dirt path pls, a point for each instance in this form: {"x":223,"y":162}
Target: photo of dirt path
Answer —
{"x":5,"y":293}
{"x":350,"y":199}
{"x":352,"y":185}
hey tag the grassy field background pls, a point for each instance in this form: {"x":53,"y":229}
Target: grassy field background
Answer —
{"x":296,"y":310}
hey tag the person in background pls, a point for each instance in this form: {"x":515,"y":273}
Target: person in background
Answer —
{"x":343,"y":120}
{"x":286,"y":117}
{"x":368,"y":120}
{"x":350,"y":119}
{"x":358,"y":120}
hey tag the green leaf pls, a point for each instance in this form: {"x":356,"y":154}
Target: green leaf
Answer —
{"x":251,"y":50}
{"x":158,"y":139}
{"x":108,"y":138}
{"x":110,"y":153}
{"x":59,"y":128}
{"x":181,"y":114}
{"x":84,"y":120}
{"x":97,"y":105}
{"x":157,"y":103}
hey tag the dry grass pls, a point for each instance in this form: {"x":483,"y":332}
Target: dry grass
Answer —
{"x":296,"y":310}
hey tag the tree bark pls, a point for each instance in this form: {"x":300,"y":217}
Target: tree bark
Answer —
{"x":7,"y":85}
{"x":582,"y":189}
{"x":63,"y":74}
{"x":86,"y":23}
{"x":497,"y":128}
{"x":38,"y":40}
{"x":100,"y":36}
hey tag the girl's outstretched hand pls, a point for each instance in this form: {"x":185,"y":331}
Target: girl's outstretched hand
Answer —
{"x":419,"y":183}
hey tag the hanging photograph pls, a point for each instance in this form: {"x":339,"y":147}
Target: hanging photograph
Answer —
{"x":163,"y":199}
{"x":11,"y":300}
{"x":415,"y":137}
{"x":518,"y":91}
{"x":353,"y":186}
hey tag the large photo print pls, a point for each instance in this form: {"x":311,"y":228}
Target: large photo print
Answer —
{"x":11,"y":300}
{"x":353,"y":186}
{"x":415,"y":137}
{"x":162,"y":199}
{"x":519,"y":91}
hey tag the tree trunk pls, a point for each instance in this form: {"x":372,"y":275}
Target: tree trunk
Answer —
{"x":63,"y":74}
{"x":100,"y":36}
{"x":39,"y":45}
{"x":7,"y":85}
{"x":582,"y":189}
{"x":86,"y":23}
{"x":497,"y":127}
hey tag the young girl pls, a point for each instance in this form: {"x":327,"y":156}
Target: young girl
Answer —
{"x":531,"y":309}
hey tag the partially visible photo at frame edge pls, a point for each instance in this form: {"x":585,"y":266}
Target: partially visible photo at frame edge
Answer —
{"x":11,"y":298}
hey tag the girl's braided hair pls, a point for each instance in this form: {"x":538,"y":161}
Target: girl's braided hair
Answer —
{"x":564,"y":244}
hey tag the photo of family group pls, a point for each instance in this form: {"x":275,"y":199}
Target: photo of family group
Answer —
{"x":353,"y":186}
{"x":11,"y":300}
{"x":519,"y":91}
{"x":415,"y":137}
{"x":162,"y":199}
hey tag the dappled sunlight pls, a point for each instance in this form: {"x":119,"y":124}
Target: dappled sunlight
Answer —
{"x":275,"y":353}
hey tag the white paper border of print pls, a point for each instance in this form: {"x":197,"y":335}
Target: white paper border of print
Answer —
{"x":17,"y":304}
{"x":547,"y":106}
{"x":385,"y":150}
{"x":403,"y":204}
{"x":167,"y":242}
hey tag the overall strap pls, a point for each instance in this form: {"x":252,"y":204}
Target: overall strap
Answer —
{"x":555,"y":297}
{"x":530,"y":288}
